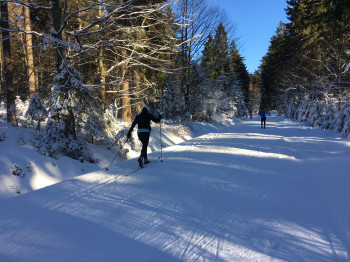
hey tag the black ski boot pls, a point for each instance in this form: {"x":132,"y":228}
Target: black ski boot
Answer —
{"x":146,"y":161}
{"x":140,"y":162}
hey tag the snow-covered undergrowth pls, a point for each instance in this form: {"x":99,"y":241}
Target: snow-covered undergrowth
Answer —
{"x":23,"y":169}
{"x":331,"y":115}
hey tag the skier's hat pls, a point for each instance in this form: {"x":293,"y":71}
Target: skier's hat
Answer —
{"x":146,"y":109}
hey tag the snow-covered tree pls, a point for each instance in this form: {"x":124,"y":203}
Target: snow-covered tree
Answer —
{"x":304,"y":111}
{"x":342,"y":119}
{"x":71,"y":103}
{"x":220,"y":77}
{"x":316,"y":113}
{"x":172,"y":102}
{"x":346,"y":127}
{"x":329,"y":116}
{"x":36,"y":110}
{"x":98,"y":126}
{"x":290,"y":110}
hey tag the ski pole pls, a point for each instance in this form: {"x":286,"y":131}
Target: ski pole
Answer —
{"x":107,"y":168}
{"x":161,"y":143}
{"x":160,"y":134}
{"x":116,"y":139}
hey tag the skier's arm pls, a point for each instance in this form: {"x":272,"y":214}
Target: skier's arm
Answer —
{"x":156,"y":119}
{"x":132,"y":126}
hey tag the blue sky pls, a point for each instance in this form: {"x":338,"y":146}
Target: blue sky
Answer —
{"x":256,"y":21}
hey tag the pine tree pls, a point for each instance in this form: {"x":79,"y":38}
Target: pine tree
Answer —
{"x":239,"y":69}
{"x":221,"y":52}
{"x":207,"y":60}
{"x":273,"y":64}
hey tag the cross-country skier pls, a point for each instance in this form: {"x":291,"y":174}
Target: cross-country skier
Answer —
{"x":263,"y":118}
{"x":143,"y":122}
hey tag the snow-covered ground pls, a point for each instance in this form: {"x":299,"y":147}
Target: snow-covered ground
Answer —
{"x":37,"y":171}
{"x":238,"y":193}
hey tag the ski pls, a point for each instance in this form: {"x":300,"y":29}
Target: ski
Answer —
{"x":144,"y":166}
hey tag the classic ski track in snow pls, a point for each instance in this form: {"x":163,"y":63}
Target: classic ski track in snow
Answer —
{"x":242,"y":194}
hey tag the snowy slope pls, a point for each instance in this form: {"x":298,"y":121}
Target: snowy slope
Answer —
{"x":238,"y":194}
{"x":39,"y":171}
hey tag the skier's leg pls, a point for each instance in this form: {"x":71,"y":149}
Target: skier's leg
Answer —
{"x":144,"y":138}
{"x":141,"y":137}
{"x":144,"y":147}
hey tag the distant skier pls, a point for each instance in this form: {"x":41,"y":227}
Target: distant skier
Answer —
{"x":143,"y":122}
{"x":263,"y":118}
{"x":251,"y":114}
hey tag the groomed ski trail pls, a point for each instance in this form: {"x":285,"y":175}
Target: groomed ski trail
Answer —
{"x":242,"y":194}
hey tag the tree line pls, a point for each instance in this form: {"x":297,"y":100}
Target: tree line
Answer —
{"x":83,"y":64}
{"x":305,"y":73}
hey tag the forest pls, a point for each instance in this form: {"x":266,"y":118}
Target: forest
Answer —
{"x":306,"y":72}
{"x":80,"y":68}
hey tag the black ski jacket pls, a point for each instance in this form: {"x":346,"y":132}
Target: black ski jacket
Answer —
{"x":143,"y":120}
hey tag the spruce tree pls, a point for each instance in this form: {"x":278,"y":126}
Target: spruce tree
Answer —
{"x":221,"y":52}
{"x":239,"y":69}
{"x":71,"y":105}
{"x":272,"y":67}
{"x":207,"y":61}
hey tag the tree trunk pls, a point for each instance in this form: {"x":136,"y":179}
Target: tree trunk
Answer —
{"x":61,"y":53}
{"x":103,"y":79}
{"x":102,"y":70}
{"x":2,"y":88}
{"x":126,"y":101}
{"x":29,"y":52}
{"x":8,"y":68}
{"x":185,"y":53}
{"x":58,"y":32}
{"x":38,"y":126}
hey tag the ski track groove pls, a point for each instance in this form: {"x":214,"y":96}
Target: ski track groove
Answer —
{"x":125,"y":173}
{"x":86,"y":191}
{"x":188,"y":245}
{"x":340,"y":231}
{"x":197,"y":244}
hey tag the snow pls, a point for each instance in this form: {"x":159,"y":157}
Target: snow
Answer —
{"x":347,"y":68}
{"x":234,"y":193}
